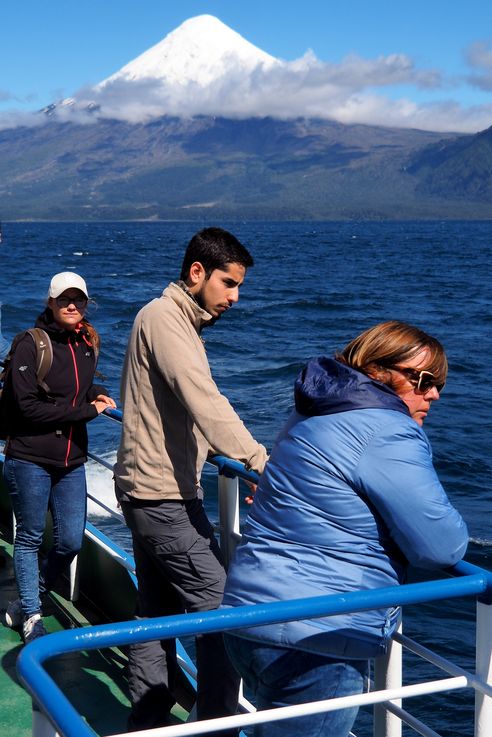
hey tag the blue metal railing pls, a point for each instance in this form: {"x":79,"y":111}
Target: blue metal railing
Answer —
{"x":226,"y":466}
{"x":114,"y":414}
{"x":471,"y":581}
{"x":466,"y":580}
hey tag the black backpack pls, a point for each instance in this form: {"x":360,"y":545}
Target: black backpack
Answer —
{"x":44,"y":359}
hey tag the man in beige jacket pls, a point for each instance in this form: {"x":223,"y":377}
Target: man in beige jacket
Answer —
{"x":173,"y":416}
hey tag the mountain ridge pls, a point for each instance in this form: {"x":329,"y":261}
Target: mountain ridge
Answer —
{"x":211,"y":167}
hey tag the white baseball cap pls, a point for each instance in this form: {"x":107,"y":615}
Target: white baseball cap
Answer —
{"x":66,"y":280}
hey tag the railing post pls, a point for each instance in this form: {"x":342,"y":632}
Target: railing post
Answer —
{"x":388,"y":674}
{"x":483,"y":704}
{"x":41,"y":725}
{"x":228,"y":492}
{"x":74,"y":579}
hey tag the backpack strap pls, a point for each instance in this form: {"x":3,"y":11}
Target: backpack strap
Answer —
{"x":44,"y":355}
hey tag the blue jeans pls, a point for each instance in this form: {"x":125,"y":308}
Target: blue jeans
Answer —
{"x":33,"y":490}
{"x":280,"y":676}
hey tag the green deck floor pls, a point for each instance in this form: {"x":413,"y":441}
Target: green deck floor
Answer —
{"x":94,"y":682}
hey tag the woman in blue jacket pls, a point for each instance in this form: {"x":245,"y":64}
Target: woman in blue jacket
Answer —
{"x":46,"y":446}
{"x":348,"y":499}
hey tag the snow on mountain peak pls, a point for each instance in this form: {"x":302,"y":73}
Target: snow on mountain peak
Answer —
{"x":205,"y":68}
{"x":200,"y":51}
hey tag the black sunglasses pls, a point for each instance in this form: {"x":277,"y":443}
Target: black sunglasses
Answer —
{"x":423,"y":381}
{"x":78,"y":302}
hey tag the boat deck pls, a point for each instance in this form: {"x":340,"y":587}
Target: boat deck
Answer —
{"x":94,"y":681}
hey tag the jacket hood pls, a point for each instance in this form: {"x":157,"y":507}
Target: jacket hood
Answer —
{"x":326,"y":386}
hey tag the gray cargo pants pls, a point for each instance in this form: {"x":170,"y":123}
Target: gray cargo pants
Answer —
{"x":179,"y":569}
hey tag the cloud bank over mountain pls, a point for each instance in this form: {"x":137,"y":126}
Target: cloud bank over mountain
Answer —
{"x":205,"y":68}
{"x":479,"y":57}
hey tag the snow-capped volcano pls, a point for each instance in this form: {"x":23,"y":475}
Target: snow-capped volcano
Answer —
{"x":202,"y":67}
{"x":201,"y":51}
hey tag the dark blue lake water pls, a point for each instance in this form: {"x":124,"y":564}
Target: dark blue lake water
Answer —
{"x":314,"y":287}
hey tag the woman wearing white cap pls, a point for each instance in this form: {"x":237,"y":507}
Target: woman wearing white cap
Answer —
{"x":46,"y":448}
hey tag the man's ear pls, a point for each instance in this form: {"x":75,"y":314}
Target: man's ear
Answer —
{"x":196,"y":274}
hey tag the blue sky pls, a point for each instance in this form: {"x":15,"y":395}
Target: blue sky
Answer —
{"x":50,"y":49}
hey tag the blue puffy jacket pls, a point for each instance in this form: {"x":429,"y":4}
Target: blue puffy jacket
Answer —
{"x":348,"y":498}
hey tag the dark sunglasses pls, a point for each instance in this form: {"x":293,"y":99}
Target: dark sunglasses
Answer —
{"x":78,"y":302}
{"x":423,"y":381}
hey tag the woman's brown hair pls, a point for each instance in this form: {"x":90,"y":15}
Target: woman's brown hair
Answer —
{"x":93,"y":335}
{"x":390,"y":344}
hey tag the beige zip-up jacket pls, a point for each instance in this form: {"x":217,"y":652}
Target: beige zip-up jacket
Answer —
{"x":173,"y":412}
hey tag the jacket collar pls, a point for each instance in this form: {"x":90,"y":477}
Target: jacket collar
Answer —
{"x":326,"y":386}
{"x":180,"y":294}
{"x":47,"y":322}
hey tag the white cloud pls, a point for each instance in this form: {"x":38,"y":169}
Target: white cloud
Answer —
{"x":5,"y":95}
{"x":356,"y":72}
{"x":350,"y":92}
{"x":355,"y":90}
{"x":17,"y":118}
{"x":479,"y":57}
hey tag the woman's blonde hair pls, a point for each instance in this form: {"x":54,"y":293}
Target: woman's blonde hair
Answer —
{"x":390,"y":344}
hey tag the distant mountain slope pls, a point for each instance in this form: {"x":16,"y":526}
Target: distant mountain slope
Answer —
{"x":460,"y":168}
{"x":216,"y":168}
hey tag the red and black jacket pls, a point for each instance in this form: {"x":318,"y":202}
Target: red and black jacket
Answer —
{"x":50,"y":428}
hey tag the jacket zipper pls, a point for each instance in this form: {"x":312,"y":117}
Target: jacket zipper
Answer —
{"x":77,"y":387}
